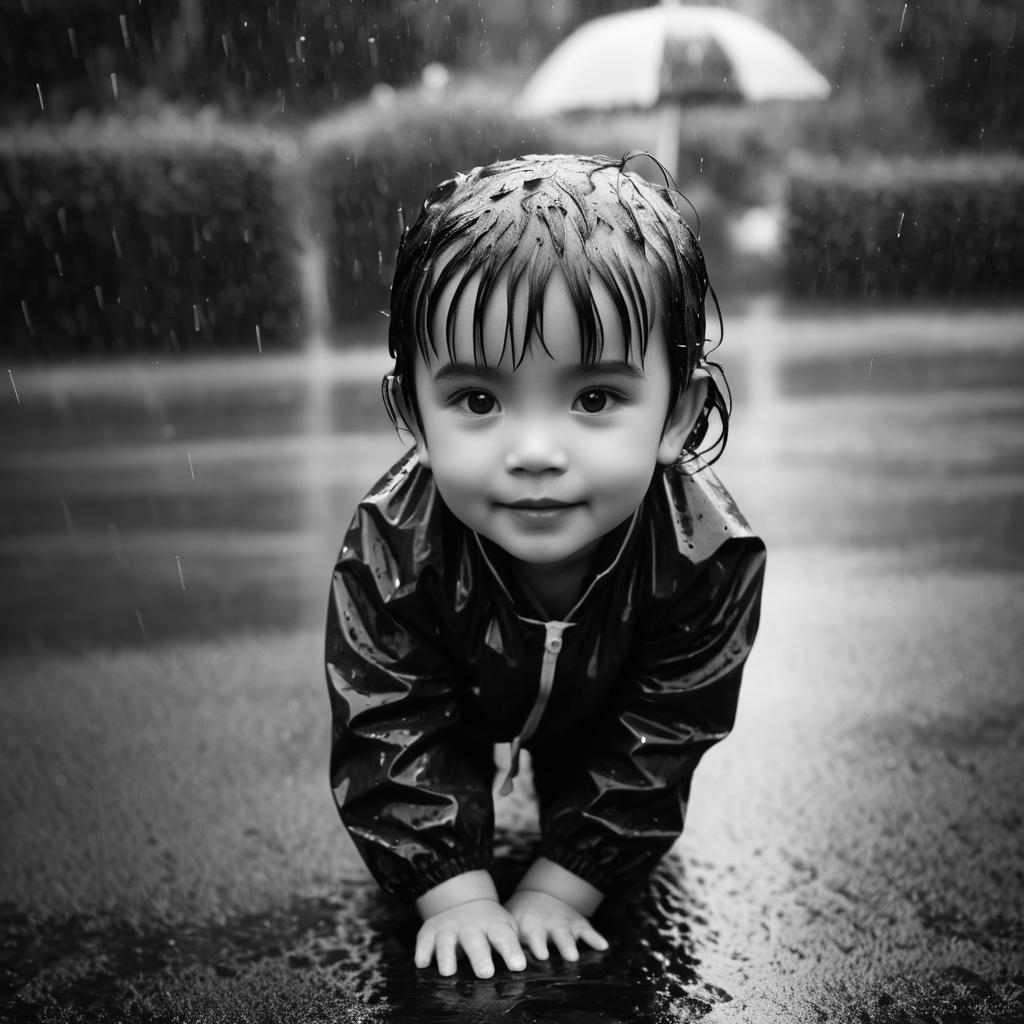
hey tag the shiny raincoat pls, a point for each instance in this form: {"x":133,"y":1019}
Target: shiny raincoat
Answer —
{"x":434,"y":655}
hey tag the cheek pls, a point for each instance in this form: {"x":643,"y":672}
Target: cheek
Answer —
{"x":458,"y":465}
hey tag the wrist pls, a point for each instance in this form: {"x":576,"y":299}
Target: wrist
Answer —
{"x":545,"y":876}
{"x":470,"y":885}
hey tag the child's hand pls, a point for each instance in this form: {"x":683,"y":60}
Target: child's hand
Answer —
{"x":540,"y":917}
{"x":476,"y":926}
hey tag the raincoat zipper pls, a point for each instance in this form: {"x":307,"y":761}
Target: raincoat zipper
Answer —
{"x":552,"y":648}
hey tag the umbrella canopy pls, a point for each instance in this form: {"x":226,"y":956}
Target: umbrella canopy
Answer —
{"x":642,"y":58}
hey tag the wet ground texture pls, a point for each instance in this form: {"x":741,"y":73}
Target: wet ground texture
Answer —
{"x":854,"y":852}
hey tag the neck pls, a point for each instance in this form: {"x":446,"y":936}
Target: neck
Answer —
{"x":554,"y":588}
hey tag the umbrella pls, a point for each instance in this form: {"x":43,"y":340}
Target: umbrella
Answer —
{"x":665,"y":56}
{"x":669,"y":53}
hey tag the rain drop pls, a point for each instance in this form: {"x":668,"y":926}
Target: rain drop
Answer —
{"x":117,"y":244}
{"x":74,"y":43}
{"x":899,"y":226}
{"x":10,"y":373}
{"x":124,"y":32}
{"x":62,"y":220}
{"x":98,"y":290}
{"x":190,"y":467}
{"x":195,"y":317}
{"x":28,"y":319}
{"x":259,"y":340}
{"x":113,"y":83}
{"x":181,"y":575}
{"x":39,"y":93}
{"x":138,"y":619}
{"x":60,"y":265}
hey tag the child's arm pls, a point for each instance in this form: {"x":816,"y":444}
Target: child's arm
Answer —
{"x":411,"y":782}
{"x":553,"y":903}
{"x":464,"y":912}
{"x":614,"y":802}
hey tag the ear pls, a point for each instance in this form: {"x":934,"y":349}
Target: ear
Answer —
{"x":682,"y":418}
{"x":406,"y":417}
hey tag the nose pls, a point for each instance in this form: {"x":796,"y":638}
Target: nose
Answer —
{"x":536,"y":449}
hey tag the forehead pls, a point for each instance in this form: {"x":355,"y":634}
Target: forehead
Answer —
{"x":498,"y":321}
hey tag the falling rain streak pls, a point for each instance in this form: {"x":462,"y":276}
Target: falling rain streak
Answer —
{"x":10,"y":373}
{"x":181,"y":575}
{"x":899,"y":226}
{"x":190,"y":468}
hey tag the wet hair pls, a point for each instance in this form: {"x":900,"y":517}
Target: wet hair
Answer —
{"x":519,"y":223}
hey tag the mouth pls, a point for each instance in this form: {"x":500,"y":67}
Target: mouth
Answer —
{"x":538,"y":509}
{"x":538,"y":504}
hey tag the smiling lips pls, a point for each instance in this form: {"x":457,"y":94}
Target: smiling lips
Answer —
{"x":538,"y":508}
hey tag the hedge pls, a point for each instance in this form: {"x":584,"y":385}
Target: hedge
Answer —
{"x":165,"y":236}
{"x":906,"y":229}
{"x":370,"y":170}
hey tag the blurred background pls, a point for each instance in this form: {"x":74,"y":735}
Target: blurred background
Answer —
{"x":200,"y":204}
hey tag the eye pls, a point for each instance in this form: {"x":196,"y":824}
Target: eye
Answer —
{"x":594,"y":400}
{"x":478,"y":403}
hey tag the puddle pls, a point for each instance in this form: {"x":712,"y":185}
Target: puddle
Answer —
{"x":349,"y":959}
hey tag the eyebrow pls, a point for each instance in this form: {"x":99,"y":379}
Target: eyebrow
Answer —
{"x":452,"y":373}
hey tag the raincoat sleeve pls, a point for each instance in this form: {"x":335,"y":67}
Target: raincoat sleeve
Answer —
{"x":613,"y":807}
{"x":412,"y":787}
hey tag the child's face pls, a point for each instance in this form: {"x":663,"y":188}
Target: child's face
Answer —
{"x":547,"y":458}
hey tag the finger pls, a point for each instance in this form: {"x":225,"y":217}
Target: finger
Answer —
{"x":537,"y":941}
{"x":424,"y":948}
{"x":591,"y":936}
{"x":444,"y":950}
{"x":478,"y":951}
{"x":504,"y":940}
{"x":565,"y":943}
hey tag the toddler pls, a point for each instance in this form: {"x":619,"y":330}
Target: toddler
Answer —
{"x":552,"y":565}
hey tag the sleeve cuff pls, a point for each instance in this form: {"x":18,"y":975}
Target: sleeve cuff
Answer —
{"x":426,"y":877}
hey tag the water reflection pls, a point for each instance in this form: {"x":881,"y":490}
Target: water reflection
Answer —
{"x":649,"y":975}
{"x":352,"y":954}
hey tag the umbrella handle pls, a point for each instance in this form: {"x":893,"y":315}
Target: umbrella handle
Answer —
{"x":667,"y":147}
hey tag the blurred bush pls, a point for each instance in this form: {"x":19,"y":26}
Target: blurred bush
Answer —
{"x":905,"y":229}
{"x":159,"y":236}
{"x":370,"y":169}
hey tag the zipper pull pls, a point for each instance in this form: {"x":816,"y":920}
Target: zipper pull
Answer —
{"x":552,"y":648}
{"x":553,"y":636}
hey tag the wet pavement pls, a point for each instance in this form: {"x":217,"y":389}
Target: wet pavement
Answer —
{"x":854,"y":852}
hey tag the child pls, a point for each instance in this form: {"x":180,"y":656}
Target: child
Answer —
{"x":552,"y":565}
